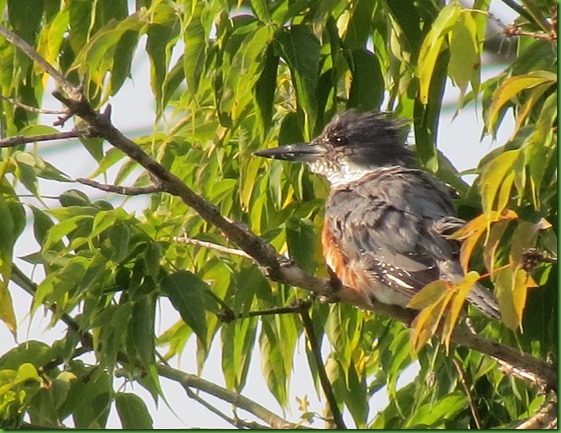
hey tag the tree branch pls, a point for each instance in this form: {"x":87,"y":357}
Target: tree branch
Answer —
{"x":212,"y":246}
{"x":23,"y":139}
{"x":228,"y":315}
{"x":191,"y":381}
{"x":210,"y":407}
{"x":123,"y":190}
{"x":32,"y":109}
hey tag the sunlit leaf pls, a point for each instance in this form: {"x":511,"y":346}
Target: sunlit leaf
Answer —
{"x":428,"y":295}
{"x":513,"y":86}
{"x":432,"y":45}
{"x":464,"y":53}
{"x":461,"y":291}
{"x":493,"y":178}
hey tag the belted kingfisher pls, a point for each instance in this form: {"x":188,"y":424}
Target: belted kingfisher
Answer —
{"x":386,"y":222}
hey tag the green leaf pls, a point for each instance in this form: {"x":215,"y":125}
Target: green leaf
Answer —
{"x":367,"y":85}
{"x":356,"y":397}
{"x":195,"y":49}
{"x":264,"y":91}
{"x":132,"y":411}
{"x":492,"y":179}
{"x":465,"y":59}
{"x":162,"y":34}
{"x":94,"y":146}
{"x":74,"y":197}
{"x":25,"y":18}
{"x":300,"y":240}
{"x":432,"y":46}
{"x":261,"y":10}
{"x":7,"y":238}
{"x":7,"y":313}
{"x":119,"y":238}
{"x":122,"y":59}
{"x":152,"y":259}
{"x":238,"y":339}
{"x":513,"y":86}
{"x":272,"y":363}
{"x":185,"y":291}
{"x":300,"y":48}
{"x":433,"y":414}
{"x":91,"y":400}
{"x":358,"y":27}
{"x":244,"y":71}
{"x":142,"y":328}
{"x":63,"y":229}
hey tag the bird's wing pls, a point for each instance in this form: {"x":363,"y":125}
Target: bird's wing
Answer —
{"x":390,"y":224}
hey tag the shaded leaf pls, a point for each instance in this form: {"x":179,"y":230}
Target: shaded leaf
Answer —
{"x":132,"y":411}
{"x":185,"y":291}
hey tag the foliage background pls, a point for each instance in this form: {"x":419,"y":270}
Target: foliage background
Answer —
{"x":246,"y":80}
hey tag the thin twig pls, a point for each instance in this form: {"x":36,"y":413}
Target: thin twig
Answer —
{"x":228,"y":315}
{"x":191,"y":381}
{"x":524,"y":13}
{"x":24,"y":139}
{"x":324,"y":380}
{"x":469,"y":395}
{"x":123,"y":190}
{"x":33,"y":109}
{"x":514,"y":30}
{"x":210,"y":407}
{"x":212,"y":246}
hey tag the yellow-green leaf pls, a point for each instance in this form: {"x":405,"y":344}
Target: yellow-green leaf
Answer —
{"x":493,"y":176}
{"x":513,"y":86}
{"x":464,"y":52}
{"x":7,"y":314}
{"x":460,"y":291}
{"x":432,"y":45}
{"x":428,"y":295}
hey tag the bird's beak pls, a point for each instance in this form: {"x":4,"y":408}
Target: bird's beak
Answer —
{"x":306,"y":152}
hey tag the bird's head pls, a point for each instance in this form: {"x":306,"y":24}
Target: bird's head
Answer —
{"x":350,"y":146}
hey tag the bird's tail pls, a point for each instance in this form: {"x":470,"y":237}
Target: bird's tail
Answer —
{"x":478,"y":296}
{"x":482,"y":298}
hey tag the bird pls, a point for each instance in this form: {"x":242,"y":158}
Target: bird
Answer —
{"x":387,"y":221}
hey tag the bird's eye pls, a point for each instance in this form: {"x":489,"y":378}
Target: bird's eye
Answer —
{"x":338,"y":140}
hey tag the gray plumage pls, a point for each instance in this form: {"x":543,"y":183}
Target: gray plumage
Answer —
{"x":386,"y":221}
